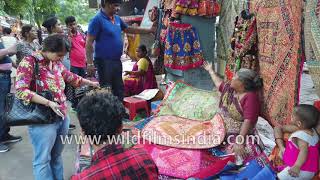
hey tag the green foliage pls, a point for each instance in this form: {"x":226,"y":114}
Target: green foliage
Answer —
{"x":42,"y":9}
{"x":14,"y":7}
{"x":77,"y":8}
{"x":36,"y":11}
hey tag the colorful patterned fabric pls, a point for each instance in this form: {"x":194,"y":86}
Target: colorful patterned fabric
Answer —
{"x":141,"y":124}
{"x":183,"y":133}
{"x":208,"y":8}
{"x":182,"y":47}
{"x":279,"y":44}
{"x":253,"y":150}
{"x":225,"y":28}
{"x":183,"y":100}
{"x":188,"y":7}
{"x":182,"y":163}
{"x":113,"y":162}
{"x":53,"y":81}
{"x":243,"y":46}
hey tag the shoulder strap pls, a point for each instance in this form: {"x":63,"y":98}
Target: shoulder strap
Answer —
{"x":36,"y":73}
{"x":311,"y":140}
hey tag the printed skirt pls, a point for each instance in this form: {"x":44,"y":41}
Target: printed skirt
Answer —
{"x":182,"y":47}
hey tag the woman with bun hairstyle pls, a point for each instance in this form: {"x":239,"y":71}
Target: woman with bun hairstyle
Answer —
{"x":240,"y":108}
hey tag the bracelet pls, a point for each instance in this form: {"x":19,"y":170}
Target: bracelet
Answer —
{"x":278,"y":138}
{"x":90,"y":64}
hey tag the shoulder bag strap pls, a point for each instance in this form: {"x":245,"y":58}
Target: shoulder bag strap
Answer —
{"x":36,"y":74}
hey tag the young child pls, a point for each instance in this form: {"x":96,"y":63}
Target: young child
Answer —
{"x":142,"y":75}
{"x":301,"y":153}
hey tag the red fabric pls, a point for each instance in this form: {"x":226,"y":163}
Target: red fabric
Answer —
{"x":317,"y":104}
{"x":215,"y":168}
{"x":251,"y":107}
{"x":113,"y":162}
{"x":184,"y":163}
{"x":77,"y":52}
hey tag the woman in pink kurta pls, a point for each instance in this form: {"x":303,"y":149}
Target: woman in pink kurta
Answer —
{"x":46,"y":139}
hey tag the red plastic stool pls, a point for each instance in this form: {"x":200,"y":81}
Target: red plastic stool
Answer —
{"x":134,"y":104}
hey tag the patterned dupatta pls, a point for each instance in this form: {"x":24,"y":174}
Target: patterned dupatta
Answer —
{"x":231,"y":110}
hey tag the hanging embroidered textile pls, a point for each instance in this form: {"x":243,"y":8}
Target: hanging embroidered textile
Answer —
{"x":183,"y":100}
{"x":279,"y":39}
{"x":315,"y":27}
{"x":208,"y":8}
{"x":243,"y":45}
{"x":229,"y":11}
{"x":182,"y":47}
{"x":178,"y":132}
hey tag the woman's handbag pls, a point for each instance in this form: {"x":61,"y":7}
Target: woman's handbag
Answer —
{"x":19,"y":114}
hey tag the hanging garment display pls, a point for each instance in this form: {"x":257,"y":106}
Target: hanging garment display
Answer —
{"x":243,"y":45}
{"x":182,"y":47}
{"x":188,"y":7}
{"x":279,"y":43}
{"x":315,"y":27}
{"x":208,"y":8}
{"x":225,"y":28}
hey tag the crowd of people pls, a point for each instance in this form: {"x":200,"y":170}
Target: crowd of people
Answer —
{"x":66,"y":59}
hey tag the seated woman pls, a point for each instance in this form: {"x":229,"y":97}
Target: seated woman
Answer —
{"x":142,"y":76}
{"x":240,"y":107}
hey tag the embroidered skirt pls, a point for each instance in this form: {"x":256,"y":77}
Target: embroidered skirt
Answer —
{"x":182,"y":47}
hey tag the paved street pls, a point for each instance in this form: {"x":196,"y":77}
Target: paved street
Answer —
{"x":16,"y":164}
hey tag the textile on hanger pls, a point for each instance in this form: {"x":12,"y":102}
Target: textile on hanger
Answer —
{"x":182,"y":48}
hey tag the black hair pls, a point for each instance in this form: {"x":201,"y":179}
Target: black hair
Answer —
{"x":100,"y":114}
{"x":308,"y":114}
{"x":56,"y":43}
{"x":6,"y":30}
{"x":250,"y":79}
{"x":143,"y":48}
{"x":69,"y":19}
{"x":50,"y":23}
{"x":25,"y":29}
{"x":104,"y":2}
{"x":245,"y":14}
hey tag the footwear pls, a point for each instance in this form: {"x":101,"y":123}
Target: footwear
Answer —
{"x":11,"y":139}
{"x":72,"y":127}
{"x":3,"y":148}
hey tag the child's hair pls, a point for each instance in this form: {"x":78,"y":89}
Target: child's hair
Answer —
{"x":308,"y":114}
{"x":143,"y":48}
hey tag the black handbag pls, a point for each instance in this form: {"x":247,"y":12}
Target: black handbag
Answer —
{"x":17,"y":113}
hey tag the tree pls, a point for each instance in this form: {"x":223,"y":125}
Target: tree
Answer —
{"x":78,"y":8}
{"x":36,"y":10}
{"x":42,"y":9}
{"x":14,"y":7}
